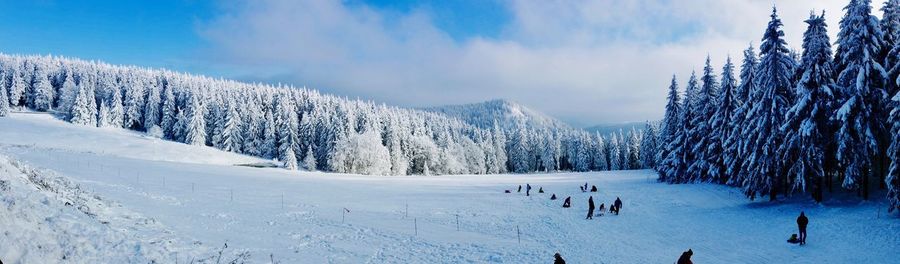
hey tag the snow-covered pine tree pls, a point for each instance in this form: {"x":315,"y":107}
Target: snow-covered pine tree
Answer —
{"x":615,"y":153}
{"x":700,"y":137}
{"x":600,"y":154}
{"x":634,"y":150}
{"x":67,"y":94}
{"x":674,"y":166}
{"x":860,"y":128}
{"x":720,"y":125}
{"x":735,"y":143}
{"x":286,"y":131}
{"x":269,"y":148}
{"x":43,"y":91}
{"x":4,"y":100}
{"x":16,"y":89}
{"x":232,"y":136}
{"x":670,"y":122}
{"x":195,"y":128}
{"x":309,"y":161}
{"x":648,"y":147}
{"x":83,"y":110}
{"x":169,"y":113}
{"x":152,"y":107}
{"x":767,"y":115}
{"x":807,"y":127}
{"x":133,"y":106}
{"x":180,"y":125}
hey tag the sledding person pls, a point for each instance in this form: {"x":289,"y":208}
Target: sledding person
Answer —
{"x":600,"y":209}
{"x":793,"y":239}
{"x":568,"y":202}
{"x":541,"y":190}
{"x":612,"y":208}
{"x":553,"y":197}
{"x":590,"y":214}
{"x":802,"y":221}
{"x":582,"y":188}
{"x":686,"y":257}
{"x":557,"y":259}
{"x":527,"y":189}
{"x":593,"y":188}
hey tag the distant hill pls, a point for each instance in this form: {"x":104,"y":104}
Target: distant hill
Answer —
{"x":506,"y":113}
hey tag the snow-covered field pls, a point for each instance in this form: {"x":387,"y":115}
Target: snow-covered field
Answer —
{"x":146,"y":199}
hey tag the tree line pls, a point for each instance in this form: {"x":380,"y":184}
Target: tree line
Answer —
{"x":794,"y":122}
{"x":301,"y":128}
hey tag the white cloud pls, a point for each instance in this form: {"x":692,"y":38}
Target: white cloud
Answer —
{"x":583,"y":61}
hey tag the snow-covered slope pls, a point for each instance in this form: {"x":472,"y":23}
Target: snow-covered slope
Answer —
{"x":505,"y":113}
{"x":197,"y":198}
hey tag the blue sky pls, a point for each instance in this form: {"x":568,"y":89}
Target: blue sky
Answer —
{"x":584,"y":61}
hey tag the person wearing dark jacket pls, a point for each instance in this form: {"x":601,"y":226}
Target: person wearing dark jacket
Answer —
{"x":541,"y":190}
{"x":527,"y":189}
{"x":593,"y":188}
{"x":520,"y":188}
{"x":802,"y":221}
{"x":686,"y":257}
{"x":557,"y":259}
{"x":553,"y":197}
{"x":590,"y":214}
{"x":568,"y":202}
{"x":618,"y":203}
{"x":600,"y":209}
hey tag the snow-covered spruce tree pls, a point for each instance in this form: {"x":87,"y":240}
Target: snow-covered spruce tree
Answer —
{"x":615,"y":153}
{"x":675,"y":165}
{"x":16,"y":89}
{"x":286,"y":132}
{"x":133,"y":106}
{"x":4,"y":100}
{"x":720,"y":125}
{"x":624,"y":150}
{"x":648,"y":149}
{"x":670,"y":123}
{"x":151,"y":106}
{"x":807,"y":128}
{"x":890,"y":29}
{"x":860,"y":128}
{"x":83,"y":109}
{"x":700,"y":137}
{"x":600,"y":158}
{"x":43,"y":91}
{"x":195,"y":127}
{"x":518,"y":150}
{"x":634,"y":150}
{"x":735,"y":143}
{"x":764,"y":135}
{"x":169,"y":113}
{"x":309,"y":161}
{"x":67,"y":94}
{"x":270,"y":137}
{"x":232,"y":137}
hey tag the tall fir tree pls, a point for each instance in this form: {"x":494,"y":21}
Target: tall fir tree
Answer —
{"x":775,"y":71}
{"x":649,"y":146}
{"x":861,"y":132}
{"x":807,"y":127}
{"x":195,"y":127}
{"x":721,"y":125}
{"x":232,"y":137}
{"x":735,"y":143}
{"x":700,"y":137}
{"x":675,"y":164}
{"x":670,"y":122}
{"x":4,"y":100}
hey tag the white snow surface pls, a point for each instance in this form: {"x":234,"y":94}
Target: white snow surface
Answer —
{"x":154,"y":200}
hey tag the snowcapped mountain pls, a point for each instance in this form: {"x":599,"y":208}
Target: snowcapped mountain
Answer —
{"x":506,"y":113}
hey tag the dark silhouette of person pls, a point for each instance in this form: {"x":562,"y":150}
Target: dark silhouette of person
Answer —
{"x":520,"y":188}
{"x":601,"y":208}
{"x":541,"y":190}
{"x":568,"y":202}
{"x":618,"y":203}
{"x":590,"y":214}
{"x":686,"y":257}
{"x":553,"y":197}
{"x":585,"y":186}
{"x":802,"y":221}
{"x":527,"y":189}
{"x":557,"y":259}
{"x":582,"y":188}
{"x":593,"y":188}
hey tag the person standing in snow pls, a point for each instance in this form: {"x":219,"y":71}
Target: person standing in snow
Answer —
{"x":520,"y":188}
{"x":557,"y":259}
{"x":590,"y":214}
{"x":541,"y":190}
{"x":618,"y":204}
{"x":593,"y":188}
{"x":686,"y":257}
{"x":527,"y":189}
{"x":568,"y":202}
{"x":802,"y":221}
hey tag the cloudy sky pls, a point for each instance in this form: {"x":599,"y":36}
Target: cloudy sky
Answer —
{"x":583,"y":61}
